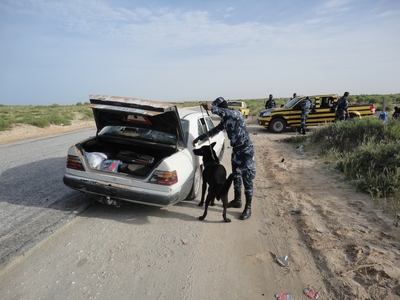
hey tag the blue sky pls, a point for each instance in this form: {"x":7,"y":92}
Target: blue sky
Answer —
{"x":63,"y":51}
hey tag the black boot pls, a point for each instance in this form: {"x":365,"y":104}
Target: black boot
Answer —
{"x":247,"y":209}
{"x":237,"y":201}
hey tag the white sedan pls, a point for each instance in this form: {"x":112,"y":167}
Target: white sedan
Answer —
{"x":142,"y":152}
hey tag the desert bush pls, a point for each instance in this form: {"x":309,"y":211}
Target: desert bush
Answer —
{"x":38,"y":122}
{"x":365,"y":150}
{"x":56,"y":119}
{"x":5,"y":125}
{"x":346,"y":136}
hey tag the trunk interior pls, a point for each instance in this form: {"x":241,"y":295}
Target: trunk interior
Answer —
{"x":123,"y":157}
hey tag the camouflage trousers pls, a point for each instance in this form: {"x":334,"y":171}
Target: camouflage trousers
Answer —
{"x":303,"y":119}
{"x":340,"y":115}
{"x":243,"y":168}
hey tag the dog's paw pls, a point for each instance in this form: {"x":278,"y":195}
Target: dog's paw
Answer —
{"x":201,"y":218}
{"x":201,"y":203}
{"x":227,"y":220}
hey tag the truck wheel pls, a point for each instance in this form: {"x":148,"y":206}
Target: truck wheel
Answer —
{"x":277,"y":125}
{"x":194,"y":192}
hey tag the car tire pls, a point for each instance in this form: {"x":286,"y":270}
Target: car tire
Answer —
{"x":277,"y":125}
{"x":195,"y":190}
{"x":221,"y":153}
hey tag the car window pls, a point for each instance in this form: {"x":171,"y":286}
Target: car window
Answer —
{"x":210,"y":123}
{"x":185,"y":128}
{"x":204,"y":125}
{"x":313,"y":101}
{"x":291,"y":102}
{"x":235,"y":104}
{"x":201,"y":126}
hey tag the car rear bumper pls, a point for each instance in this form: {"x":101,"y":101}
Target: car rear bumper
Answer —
{"x":121,"y":192}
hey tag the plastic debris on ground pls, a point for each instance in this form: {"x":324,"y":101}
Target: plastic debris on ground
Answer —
{"x":299,"y":148}
{"x":282,"y":166}
{"x":283,"y":261}
{"x":323,"y":230}
{"x":283,"y":296}
{"x":310,"y":293}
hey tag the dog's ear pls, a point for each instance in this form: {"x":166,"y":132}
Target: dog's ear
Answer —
{"x":213,"y":144}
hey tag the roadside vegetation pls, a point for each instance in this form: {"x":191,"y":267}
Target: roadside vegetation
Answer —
{"x":43,"y":116}
{"x":366,"y":152}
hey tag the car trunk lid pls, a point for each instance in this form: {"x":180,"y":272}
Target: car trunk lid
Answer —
{"x":125,"y":111}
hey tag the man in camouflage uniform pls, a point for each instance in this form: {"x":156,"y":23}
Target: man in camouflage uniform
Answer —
{"x":342,"y":109}
{"x":242,"y":159}
{"x":305,"y":106}
{"x":270,"y":103}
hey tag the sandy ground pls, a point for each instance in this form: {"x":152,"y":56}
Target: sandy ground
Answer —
{"x":336,"y":241}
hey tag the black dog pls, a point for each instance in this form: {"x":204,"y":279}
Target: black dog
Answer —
{"x":214,"y":175}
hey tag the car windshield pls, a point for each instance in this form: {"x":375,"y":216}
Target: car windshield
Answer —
{"x":142,"y":134}
{"x":239,"y":104}
{"x":291,"y":102}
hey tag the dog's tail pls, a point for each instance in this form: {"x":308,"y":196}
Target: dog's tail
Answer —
{"x":225,"y":188}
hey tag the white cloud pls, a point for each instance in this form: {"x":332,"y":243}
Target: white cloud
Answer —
{"x":389,"y":13}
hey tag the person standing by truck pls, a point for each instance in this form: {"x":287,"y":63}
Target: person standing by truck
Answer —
{"x":270,"y":103}
{"x":305,"y":106}
{"x":342,"y":109}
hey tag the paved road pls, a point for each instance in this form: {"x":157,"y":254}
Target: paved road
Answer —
{"x":33,"y":199}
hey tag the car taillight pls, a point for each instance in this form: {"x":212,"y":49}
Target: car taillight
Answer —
{"x":73,"y":162}
{"x":372,"y":109}
{"x":166,"y":178}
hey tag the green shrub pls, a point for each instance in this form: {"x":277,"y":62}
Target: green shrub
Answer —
{"x":59,"y":120}
{"x":5,"y":125}
{"x":365,"y":150}
{"x":40,"y":122}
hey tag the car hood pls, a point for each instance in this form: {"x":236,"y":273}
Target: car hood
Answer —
{"x":125,"y":111}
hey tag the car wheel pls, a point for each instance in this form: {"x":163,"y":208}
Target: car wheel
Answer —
{"x":277,"y":125}
{"x":194,"y":192}
{"x":221,"y":153}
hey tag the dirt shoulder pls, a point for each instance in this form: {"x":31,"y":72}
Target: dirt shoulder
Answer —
{"x":354,"y":245}
{"x":336,"y":241}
